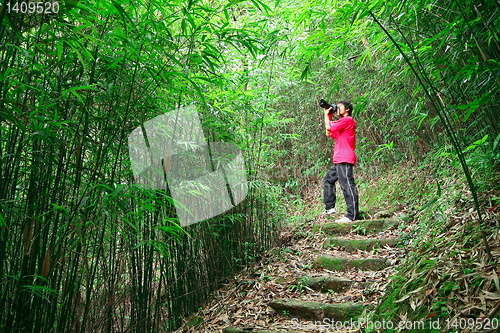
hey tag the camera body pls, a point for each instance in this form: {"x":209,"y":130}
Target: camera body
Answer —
{"x":326,"y":105}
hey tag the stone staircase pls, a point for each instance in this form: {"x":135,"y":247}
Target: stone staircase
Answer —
{"x":369,"y":236}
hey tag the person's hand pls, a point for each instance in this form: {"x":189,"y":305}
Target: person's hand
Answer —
{"x":329,"y":133}
{"x":327,"y":110}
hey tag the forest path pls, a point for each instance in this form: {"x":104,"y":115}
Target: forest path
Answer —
{"x":323,"y":273}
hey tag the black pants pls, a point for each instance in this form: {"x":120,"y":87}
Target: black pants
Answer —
{"x":345,"y":175}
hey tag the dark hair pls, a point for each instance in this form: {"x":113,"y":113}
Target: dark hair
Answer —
{"x":347,"y":106}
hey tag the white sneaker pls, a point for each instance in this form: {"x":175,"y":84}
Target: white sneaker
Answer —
{"x":328,"y":212}
{"x":344,"y":219}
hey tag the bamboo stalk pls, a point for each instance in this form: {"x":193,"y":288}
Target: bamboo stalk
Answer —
{"x":450,"y":135}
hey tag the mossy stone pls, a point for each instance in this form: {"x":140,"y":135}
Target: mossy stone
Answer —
{"x":366,"y":264}
{"x":344,"y":311}
{"x":360,"y":227}
{"x":352,"y":245}
{"x":337,"y":228}
{"x":375,"y":226}
{"x":342,"y":264}
{"x":326,"y":283}
{"x":317,"y":311}
{"x":329,"y":262}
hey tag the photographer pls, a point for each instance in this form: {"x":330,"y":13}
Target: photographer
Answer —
{"x":344,"y":158}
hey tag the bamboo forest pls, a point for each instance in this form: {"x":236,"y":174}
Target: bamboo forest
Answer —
{"x":259,"y":166}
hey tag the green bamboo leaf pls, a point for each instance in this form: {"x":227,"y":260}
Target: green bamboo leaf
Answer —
{"x":124,"y":206}
{"x":485,"y":98}
{"x":481,"y":141}
{"x":80,"y":98}
{"x":114,"y":64}
{"x":249,"y":93}
{"x":422,"y":118}
{"x":353,"y":17}
{"x":84,"y":87}
{"x":191,"y":21}
{"x":71,"y":4}
{"x":39,"y":133}
{"x":64,"y":210}
{"x":198,"y":92}
{"x":473,"y":106}
{"x":12,"y":26}
{"x":40,"y":291}
{"x":125,"y":17}
{"x":120,"y":188}
{"x":79,"y":55}
{"x":306,"y":71}
{"x":2,"y":221}
{"x":368,"y":7}
{"x":429,"y":41}
{"x":259,"y":3}
{"x":427,"y":205}
{"x":6,"y":74}
{"x":205,"y":78}
{"x":495,"y":144}
{"x":105,"y":188}
{"x":171,"y":230}
{"x":139,"y":244}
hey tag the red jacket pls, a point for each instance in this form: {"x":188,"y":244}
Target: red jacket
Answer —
{"x":344,"y":131}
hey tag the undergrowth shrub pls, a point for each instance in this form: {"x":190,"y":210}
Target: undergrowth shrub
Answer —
{"x":446,"y":276}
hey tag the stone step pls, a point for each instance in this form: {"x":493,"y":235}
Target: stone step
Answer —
{"x":326,"y":283}
{"x":360,"y":227}
{"x":375,"y":226}
{"x":317,"y":310}
{"x":334,"y":228}
{"x":352,"y":245}
{"x":342,"y":264}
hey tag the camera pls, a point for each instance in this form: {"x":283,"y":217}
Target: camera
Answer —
{"x":326,"y":105}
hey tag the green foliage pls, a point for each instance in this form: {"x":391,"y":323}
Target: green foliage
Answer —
{"x":358,"y":228}
{"x":90,"y":250}
{"x":300,"y":286}
{"x":76,"y":233}
{"x":444,"y":259}
{"x":358,"y":61}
